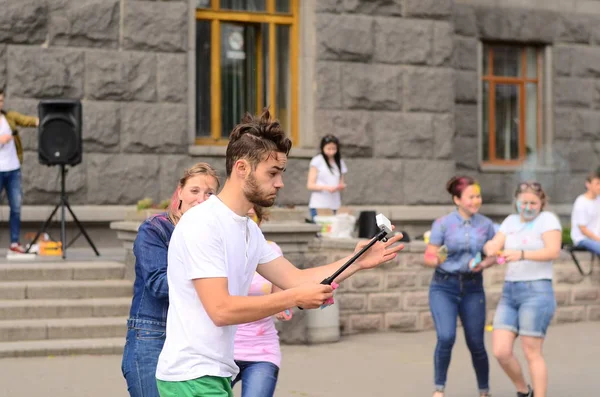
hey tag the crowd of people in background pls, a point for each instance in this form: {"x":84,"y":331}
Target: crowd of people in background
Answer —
{"x":460,"y":247}
{"x":194,"y":282}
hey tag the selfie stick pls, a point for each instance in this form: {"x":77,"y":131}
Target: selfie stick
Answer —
{"x":385,"y":231}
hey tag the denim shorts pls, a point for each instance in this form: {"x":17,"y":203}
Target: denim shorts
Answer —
{"x":526,"y":307}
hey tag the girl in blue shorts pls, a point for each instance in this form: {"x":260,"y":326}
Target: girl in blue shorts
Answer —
{"x":529,"y":241}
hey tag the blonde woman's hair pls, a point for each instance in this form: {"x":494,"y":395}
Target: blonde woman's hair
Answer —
{"x":174,"y":212}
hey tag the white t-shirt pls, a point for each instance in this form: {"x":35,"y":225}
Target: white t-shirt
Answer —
{"x":326,"y":177}
{"x":209,"y":241}
{"x":528,"y":236}
{"x":586,"y":213}
{"x":9,"y":161}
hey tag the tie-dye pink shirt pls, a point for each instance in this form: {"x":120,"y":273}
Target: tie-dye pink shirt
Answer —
{"x":258,"y":341}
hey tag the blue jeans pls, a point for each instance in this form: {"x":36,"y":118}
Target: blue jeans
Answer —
{"x":452,"y":295}
{"x":258,"y":378}
{"x":140,"y":357}
{"x":590,"y":245}
{"x":11,"y":181}
{"x":526,"y":307}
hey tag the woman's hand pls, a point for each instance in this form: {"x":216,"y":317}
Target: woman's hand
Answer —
{"x":379,"y":252}
{"x":512,"y":255}
{"x":284,"y":316}
{"x":4,"y":139}
{"x":488,"y":261}
{"x":341,"y":186}
{"x":331,"y":189}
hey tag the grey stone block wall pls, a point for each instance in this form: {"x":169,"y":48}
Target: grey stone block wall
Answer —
{"x":573,"y":38}
{"x":395,"y":80}
{"x":127,"y":61}
{"x":394,"y":297}
{"x":385,"y":86}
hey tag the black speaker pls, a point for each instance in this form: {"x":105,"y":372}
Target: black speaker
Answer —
{"x":367,"y":224}
{"x":59,"y":132}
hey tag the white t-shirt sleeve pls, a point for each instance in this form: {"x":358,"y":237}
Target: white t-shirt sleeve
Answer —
{"x":203,"y":254}
{"x":267,"y":253}
{"x":548,"y":222}
{"x":316,"y":161}
{"x":344,"y":168}
{"x":580,"y":216}
{"x":506,"y":225}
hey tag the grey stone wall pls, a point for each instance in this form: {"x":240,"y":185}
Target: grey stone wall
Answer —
{"x":127,"y":61}
{"x":395,"y":296}
{"x":395,"y":80}
{"x":574,"y":39}
{"x":385,"y":87}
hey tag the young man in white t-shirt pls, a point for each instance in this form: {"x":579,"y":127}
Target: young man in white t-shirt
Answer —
{"x":10,"y":167}
{"x":585,"y":218}
{"x":213,"y":254}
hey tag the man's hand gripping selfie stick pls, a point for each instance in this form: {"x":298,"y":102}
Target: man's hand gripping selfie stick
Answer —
{"x":385,"y":231}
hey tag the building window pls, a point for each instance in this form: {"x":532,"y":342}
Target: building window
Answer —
{"x":511,"y":99}
{"x":246,"y":59}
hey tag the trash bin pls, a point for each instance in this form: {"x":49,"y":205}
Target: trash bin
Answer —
{"x":367,"y":224}
{"x":323,"y":325}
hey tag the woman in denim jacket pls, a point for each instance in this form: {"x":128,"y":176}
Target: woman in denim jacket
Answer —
{"x":148,"y":315}
{"x":456,"y":289}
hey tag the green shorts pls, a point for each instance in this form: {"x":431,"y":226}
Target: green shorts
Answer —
{"x":206,"y":386}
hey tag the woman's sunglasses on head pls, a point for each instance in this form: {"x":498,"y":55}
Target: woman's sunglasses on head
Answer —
{"x":535,"y":186}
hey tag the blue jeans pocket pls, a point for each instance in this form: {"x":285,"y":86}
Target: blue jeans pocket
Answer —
{"x":149,"y":334}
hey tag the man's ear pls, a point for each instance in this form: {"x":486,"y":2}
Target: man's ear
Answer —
{"x":242,"y":168}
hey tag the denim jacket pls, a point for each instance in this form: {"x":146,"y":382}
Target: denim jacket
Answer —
{"x":150,"y":289}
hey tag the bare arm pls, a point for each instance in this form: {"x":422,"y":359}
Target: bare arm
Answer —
{"x":224,"y":309}
{"x":588,"y":233}
{"x":551,"y":250}
{"x":311,"y":184}
{"x":431,"y":258}
{"x":285,"y":275}
{"x":494,"y":245}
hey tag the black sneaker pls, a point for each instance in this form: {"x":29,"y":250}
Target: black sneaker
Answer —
{"x":528,"y":394}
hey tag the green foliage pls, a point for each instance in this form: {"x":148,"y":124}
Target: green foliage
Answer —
{"x":145,"y":204}
{"x":566,"y":236}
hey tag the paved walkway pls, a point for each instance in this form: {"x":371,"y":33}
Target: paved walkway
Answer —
{"x":391,"y":364}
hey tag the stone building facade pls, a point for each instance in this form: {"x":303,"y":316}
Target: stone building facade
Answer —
{"x":399,"y":81}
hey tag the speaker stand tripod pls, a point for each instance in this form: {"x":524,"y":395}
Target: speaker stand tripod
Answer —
{"x":62,"y":204}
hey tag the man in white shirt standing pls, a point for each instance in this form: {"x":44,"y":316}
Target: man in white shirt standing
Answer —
{"x":213,"y":254}
{"x":585,"y":217}
{"x":10,"y":167}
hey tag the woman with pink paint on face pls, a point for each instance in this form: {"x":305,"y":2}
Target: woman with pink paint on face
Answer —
{"x":256,"y":349}
{"x":146,"y":326}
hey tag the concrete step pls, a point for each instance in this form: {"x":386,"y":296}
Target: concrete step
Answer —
{"x":63,"y":308}
{"x":72,"y":328}
{"x":62,"y":347}
{"x":68,"y":289}
{"x":61,"y":271}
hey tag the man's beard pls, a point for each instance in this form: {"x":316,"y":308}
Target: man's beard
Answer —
{"x":255,"y":195}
